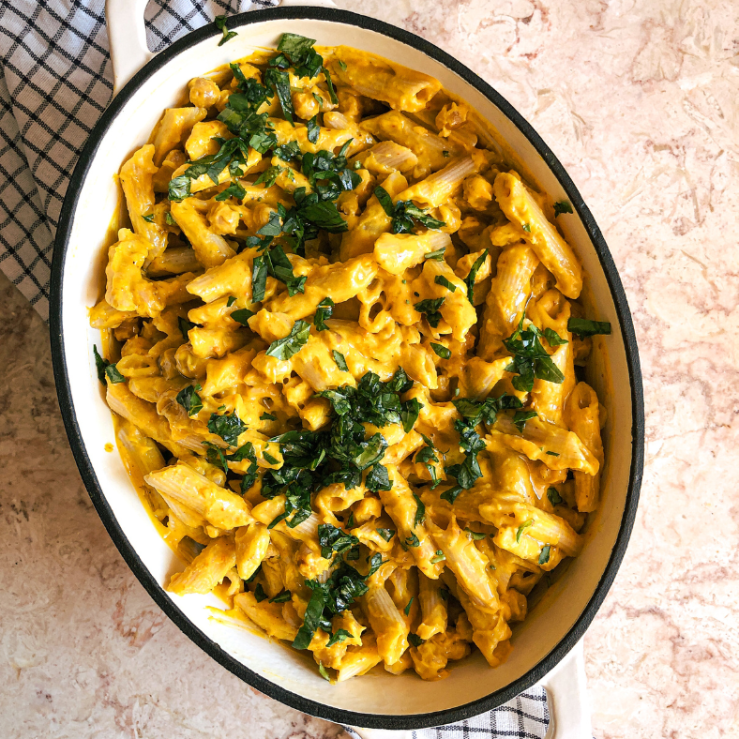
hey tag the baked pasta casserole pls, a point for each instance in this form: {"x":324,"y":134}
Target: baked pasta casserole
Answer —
{"x":342,"y":349}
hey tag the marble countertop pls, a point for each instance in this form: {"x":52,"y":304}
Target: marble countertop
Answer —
{"x":639,"y":101}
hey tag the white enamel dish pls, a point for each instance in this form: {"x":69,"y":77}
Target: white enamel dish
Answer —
{"x":558,"y":621}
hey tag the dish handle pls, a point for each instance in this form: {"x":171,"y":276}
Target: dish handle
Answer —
{"x":127,"y":35}
{"x":567,"y":697}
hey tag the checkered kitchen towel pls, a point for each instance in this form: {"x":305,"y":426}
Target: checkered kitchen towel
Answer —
{"x":55,"y":82}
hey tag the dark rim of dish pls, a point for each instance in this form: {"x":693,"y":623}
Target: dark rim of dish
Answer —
{"x":61,"y":376}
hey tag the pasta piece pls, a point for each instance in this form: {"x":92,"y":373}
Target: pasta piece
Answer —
{"x":174,"y":261}
{"x":200,"y":142}
{"x":219,"y":506}
{"x":207,"y":569}
{"x":468,"y":565}
{"x":136,"y":181}
{"x":359,"y":660}
{"x":433,"y":608}
{"x":401,"y":88}
{"x":252,"y":543}
{"x":210,"y":248}
{"x":174,"y":128}
{"x":396,"y":253}
{"x":268,"y":616}
{"x":386,"y":157}
{"x":402,"y":508}
{"x":555,"y":253}
{"x":387,"y":623}
{"x":583,"y":418}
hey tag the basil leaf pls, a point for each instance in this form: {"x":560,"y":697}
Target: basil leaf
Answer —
{"x":330,"y":84}
{"x":430,"y":307}
{"x":190,"y":400}
{"x":544,"y":556}
{"x":378,"y":479}
{"x":412,"y":541}
{"x":220,"y":21}
{"x":414,"y":640}
{"x":294,"y":45}
{"x":562,"y":206}
{"x":554,"y":497}
{"x":520,"y":418}
{"x":472,"y":276}
{"x":553,"y":337}
{"x":409,"y":414}
{"x":437,"y":255}
{"x":386,"y":534}
{"x":179,"y":188}
{"x":100,"y":364}
{"x":259,"y":593}
{"x":441,"y":280}
{"x":420,"y":511}
{"x":476,"y":535}
{"x":242,"y":316}
{"x":185,"y":327}
{"x":112,"y":373}
{"x":282,"y":597}
{"x":314,"y":130}
{"x":268,"y":177}
{"x":340,"y":361}
{"x":340,"y":636}
{"x":149,"y":218}
{"x":259,"y":279}
{"x":280,"y":81}
{"x":407,"y":609}
{"x":324,"y":214}
{"x":323,"y":312}
{"x":583,"y":328}
{"x":385,"y":200}
{"x":451,"y":495}
{"x":438,"y":557}
{"x":234,"y":190}
{"x":289,"y":346}
{"x":273,"y":227}
{"x":228,"y":426}
{"x":521,"y":529}
{"x":441,"y":350}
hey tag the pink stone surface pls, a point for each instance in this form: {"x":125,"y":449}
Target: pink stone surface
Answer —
{"x":639,"y":102}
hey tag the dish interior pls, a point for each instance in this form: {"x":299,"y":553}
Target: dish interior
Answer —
{"x":381,"y":693}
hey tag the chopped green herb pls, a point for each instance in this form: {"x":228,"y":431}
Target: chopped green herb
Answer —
{"x":340,"y":361}
{"x":342,"y":65}
{"x":289,"y":346}
{"x":521,"y":528}
{"x":520,"y":418}
{"x":554,"y":497}
{"x":441,"y":280}
{"x":100,"y":364}
{"x":378,"y":479}
{"x":430,"y":307}
{"x":472,"y":276}
{"x":169,"y":220}
{"x":476,"y":535}
{"x":438,"y":557}
{"x":112,"y":373}
{"x":314,"y":130}
{"x":376,"y":562}
{"x":412,"y":541}
{"x":451,"y":495}
{"x":414,"y":640}
{"x":420,"y":511}
{"x":446,"y":153}
{"x":242,"y":316}
{"x":553,"y":454}
{"x":553,"y":337}
{"x":323,"y":672}
{"x":441,"y":350}
{"x":405,"y":213}
{"x":185,"y":327}
{"x":583,"y":327}
{"x":474,"y":411}
{"x":270,"y":458}
{"x":269,"y":176}
{"x":544,"y":556}
{"x":234,"y":190}
{"x":149,"y":218}
{"x":526,"y":227}
{"x":259,"y":278}
{"x":386,"y":534}
{"x":267,"y":417}
{"x":282,"y":597}
{"x":220,"y":21}
{"x":228,"y":426}
{"x":437,"y":256}
{"x":333,"y":540}
{"x":259,"y":593}
{"x":190,"y":400}
{"x":323,"y":313}
{"x":340,"y":636}
{"x":562,"y":206}
{"x":407,"y":609}
{"x":530,"y":359}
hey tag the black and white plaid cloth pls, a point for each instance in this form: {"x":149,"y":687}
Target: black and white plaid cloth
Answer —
{"x":56,"y":79}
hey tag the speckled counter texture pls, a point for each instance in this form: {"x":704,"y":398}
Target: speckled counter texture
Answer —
{"x":639,"y":101}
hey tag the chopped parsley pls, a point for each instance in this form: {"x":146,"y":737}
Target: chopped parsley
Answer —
{"x":289,"y":346}
{"x":220,"y":21}
{"x":562,"y":206}
{"x":405,"y":214}
{"x":583,"y":328}
{"x":441,"y":350}
{"x":190,"y":400}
